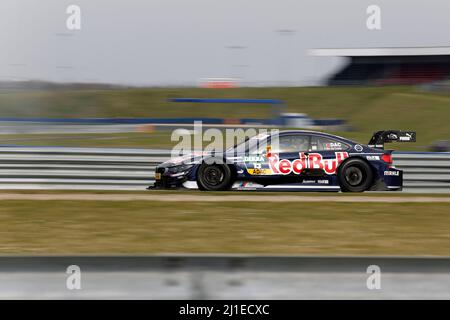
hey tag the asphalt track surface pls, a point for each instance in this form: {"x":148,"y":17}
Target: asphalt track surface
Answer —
{"x":156,"y":196}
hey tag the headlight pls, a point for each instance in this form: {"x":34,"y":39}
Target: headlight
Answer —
{"x":180,"y":168}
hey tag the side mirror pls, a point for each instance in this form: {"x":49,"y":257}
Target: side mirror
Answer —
{"x":268,"y":151}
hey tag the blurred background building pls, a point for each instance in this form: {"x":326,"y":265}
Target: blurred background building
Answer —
{"x":384,"y":66}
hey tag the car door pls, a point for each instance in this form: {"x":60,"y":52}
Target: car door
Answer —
{"x":327,"y":153}
{"x":287,"y":160}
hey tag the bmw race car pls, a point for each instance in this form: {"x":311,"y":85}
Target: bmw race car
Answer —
{"x":289,"y":160}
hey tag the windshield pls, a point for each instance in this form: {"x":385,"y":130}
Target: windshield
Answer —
{"x":251,"y":145}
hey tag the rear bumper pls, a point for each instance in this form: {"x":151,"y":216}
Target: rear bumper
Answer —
{"x":389,"y":180}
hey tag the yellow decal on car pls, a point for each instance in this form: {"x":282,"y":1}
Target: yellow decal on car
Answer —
{"x":259,"y":171}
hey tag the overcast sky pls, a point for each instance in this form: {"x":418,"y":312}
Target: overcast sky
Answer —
{"x":177,"y":42}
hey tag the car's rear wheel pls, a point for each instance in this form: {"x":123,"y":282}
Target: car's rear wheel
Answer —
{"x":355,"y":175}
{"x":214,"y":177}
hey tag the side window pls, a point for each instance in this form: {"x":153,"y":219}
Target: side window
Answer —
{"x":327,"y":144}
{"x":291,"y":143}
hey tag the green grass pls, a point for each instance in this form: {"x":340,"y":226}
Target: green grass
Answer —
{"x":159,"y":139}
{"x":101,"y":140}
{"x":367,"y":109}
{"x":69,"y":227}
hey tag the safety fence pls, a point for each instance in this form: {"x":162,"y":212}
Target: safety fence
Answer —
{"x":133,"y":169}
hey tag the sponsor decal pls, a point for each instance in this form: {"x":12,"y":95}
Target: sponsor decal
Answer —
{"x":358,"y":147}
{"x":407,"y":137}
{"x":254,"y":159}
{"x":392,"y":173}
{"x":373,"y":158}
{"x":333,"y":146}
{"x":320,"y":181}
{"x":312,"y":161}
{"x":393,"y":136}
{"x":255,"y":163}
{"x":259,"y":171}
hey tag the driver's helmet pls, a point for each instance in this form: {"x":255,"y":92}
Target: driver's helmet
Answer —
{"x":294,"y":143}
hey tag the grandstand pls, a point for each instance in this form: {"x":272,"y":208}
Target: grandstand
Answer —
{"x":385,"y":66}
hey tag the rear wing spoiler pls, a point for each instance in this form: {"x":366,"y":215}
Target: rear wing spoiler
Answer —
{"x":379,"y":138}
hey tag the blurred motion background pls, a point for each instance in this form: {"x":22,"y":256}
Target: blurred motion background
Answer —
{"x":123,"y":61}
{"x":105,"y":76}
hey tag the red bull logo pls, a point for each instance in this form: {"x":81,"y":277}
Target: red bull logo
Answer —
{"x":310,"y":161}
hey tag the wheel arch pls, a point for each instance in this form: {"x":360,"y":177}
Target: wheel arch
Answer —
{"x":361,"y":158}
{"x":221,"y":161}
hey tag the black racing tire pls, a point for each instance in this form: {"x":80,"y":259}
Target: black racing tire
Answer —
{"x":355,"y":175}
{"x":214,"y":177}
{"x":200,"y":187}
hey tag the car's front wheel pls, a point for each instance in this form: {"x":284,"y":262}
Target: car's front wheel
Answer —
{"x":214,"y":177}
{"x":355,"y":175}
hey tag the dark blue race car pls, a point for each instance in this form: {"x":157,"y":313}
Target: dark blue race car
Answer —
{"x":289,"y":160}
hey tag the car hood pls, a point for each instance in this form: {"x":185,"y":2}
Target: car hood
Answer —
{"x":196,"y":157}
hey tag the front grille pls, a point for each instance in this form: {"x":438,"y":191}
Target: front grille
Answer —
{"x":160,"y":170}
